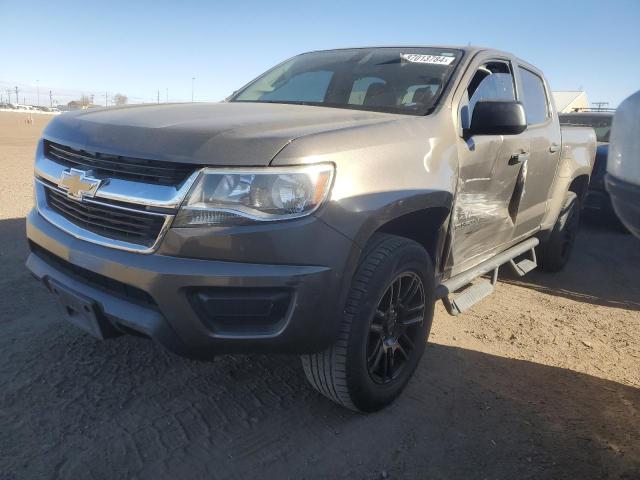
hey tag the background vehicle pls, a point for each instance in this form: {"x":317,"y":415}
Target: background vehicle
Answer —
{"x":597,"y":201}
{"x":321,"y":210}
{"x":623,"y":172}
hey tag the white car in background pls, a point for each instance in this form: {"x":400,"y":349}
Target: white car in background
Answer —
{"x":623,"y":166}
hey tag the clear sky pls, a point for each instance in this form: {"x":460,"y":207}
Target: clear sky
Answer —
{"x":141,"y":47}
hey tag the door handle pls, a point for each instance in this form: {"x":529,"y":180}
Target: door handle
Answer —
{"x":518,"y":158}
{"x":554,"y":147}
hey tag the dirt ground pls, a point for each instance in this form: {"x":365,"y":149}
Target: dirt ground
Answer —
{"x":541,"y":380}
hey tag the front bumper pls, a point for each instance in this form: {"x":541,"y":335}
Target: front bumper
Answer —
{"x":275,"y":307}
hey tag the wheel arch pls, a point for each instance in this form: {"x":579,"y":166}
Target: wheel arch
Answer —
{"x":579,"y":186}
{"x":426,"y":227}
{"x":423,"y":219}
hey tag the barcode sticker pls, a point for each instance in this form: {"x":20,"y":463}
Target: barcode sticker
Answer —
{"x":432,"y":59}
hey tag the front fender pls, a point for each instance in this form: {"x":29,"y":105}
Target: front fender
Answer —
{"x":359,"y":217}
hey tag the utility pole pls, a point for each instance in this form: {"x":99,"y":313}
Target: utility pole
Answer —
{"x":17,"y":99}
{"x":158,"y":96}
{"x":105,"y":99}
{"x":50,"y":99}
{"x":193,"y":79}
{"x":38,"y":90}
{"x":9,"y":95}
{"x":600,"y":105}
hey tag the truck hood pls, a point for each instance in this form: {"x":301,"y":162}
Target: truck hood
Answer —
{"x":229,"y":134}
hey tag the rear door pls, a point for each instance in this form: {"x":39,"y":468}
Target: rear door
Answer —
{"x":483,"y":218}
{"x":539,"y":169}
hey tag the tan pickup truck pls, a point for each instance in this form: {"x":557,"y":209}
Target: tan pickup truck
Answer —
{"x":321,"y":210}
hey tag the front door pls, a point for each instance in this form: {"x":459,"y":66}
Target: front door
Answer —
{"x":490,"y":177}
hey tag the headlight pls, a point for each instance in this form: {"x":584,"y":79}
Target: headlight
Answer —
{"x":242,"y":196}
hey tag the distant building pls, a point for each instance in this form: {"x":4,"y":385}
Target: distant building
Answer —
{"x":74,"y":105}
{"x":567,"y":102}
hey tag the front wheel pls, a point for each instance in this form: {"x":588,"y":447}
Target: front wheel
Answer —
{"x":384,"y":329}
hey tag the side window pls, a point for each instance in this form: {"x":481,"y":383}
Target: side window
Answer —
{"x":307,"y":87}
{"x":534,"y":97}
{"x":492,"y":81}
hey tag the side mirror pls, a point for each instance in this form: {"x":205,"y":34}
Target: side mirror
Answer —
{"x":497,"y":118}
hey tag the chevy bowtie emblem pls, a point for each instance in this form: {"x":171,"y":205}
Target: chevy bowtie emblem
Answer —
{"x":79,"y":184}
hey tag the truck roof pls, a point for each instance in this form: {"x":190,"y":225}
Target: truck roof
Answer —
{"x":469,"y":50}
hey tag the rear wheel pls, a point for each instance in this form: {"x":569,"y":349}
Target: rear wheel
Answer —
{"x":556,"y":250}
{"x":384,"y":328}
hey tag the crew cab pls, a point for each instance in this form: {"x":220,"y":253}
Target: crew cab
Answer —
{"x":320,"y":210}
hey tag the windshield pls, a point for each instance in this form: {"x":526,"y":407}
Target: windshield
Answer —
{"x":600,"y":123}
{"x":397,"y":80}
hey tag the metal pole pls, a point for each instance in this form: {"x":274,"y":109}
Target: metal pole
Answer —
{"x":50,"y":99}
{"x":17,"y":98}
{"x":193,"y":79}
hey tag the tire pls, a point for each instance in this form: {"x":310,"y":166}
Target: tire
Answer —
{"x":372,"y":331}
{"x":556,"y":250}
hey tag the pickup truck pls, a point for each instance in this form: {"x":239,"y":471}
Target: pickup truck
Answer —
{"x":321,"y":210}
{"x":597,"y":200}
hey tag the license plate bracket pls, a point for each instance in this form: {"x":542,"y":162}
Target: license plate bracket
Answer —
{"x":81,"y":311}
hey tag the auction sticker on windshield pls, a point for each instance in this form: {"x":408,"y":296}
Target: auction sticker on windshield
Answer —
{"x":432,"y":59}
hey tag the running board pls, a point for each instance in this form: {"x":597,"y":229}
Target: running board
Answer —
{"x":525,"y":265}
{"x":459,"y":293}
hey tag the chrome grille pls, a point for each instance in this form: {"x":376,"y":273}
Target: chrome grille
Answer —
{"x":111,"y":221}
{"x":116,"y":166}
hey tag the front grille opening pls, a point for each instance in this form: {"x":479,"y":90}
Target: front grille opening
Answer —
{"x":245,"y":311}
{"x":135,"y":227}
{"x":120,"y":167}
{"x":109,"y":285}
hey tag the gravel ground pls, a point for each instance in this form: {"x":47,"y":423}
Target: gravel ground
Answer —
{"x":541,"y":380}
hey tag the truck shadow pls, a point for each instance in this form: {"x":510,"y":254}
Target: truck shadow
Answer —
{"x":126,"y":408}
{"x":73,"y":407}
{"x":604,"y":270}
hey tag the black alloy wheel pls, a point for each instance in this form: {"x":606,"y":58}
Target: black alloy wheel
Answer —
{"x":395,"y":328}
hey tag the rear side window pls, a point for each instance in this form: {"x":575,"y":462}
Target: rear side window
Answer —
{"x":534,"y":97}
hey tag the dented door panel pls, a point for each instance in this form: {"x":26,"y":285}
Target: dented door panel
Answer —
{"x":488,"y":181}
